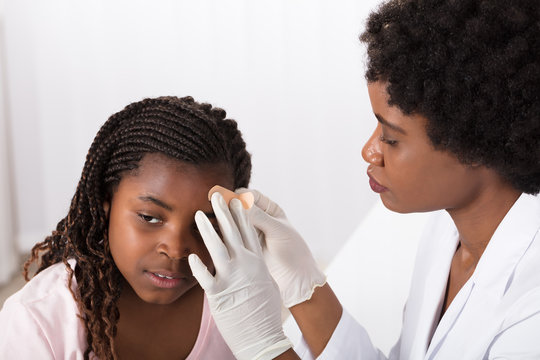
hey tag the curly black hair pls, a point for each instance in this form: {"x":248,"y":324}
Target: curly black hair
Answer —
{"x":472,"y":68}
{"x":179,"y":128}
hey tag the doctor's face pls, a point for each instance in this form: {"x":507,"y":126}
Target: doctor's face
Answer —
{"x":405,"y":169}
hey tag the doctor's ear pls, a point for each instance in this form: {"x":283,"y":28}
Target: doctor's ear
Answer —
{"x":474,"y":165}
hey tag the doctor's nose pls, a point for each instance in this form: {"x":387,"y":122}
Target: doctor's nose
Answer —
{"x":372,"y":150}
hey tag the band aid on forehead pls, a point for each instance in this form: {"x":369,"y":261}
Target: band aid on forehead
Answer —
{"x":246,"y":198}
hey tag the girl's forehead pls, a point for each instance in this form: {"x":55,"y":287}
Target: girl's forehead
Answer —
{"x":155,"y":166}
{"x":165,"y":161}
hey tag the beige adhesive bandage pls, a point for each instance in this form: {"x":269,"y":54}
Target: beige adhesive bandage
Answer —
{"x":246,"y":198}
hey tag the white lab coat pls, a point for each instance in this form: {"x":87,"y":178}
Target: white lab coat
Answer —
{"x":495,"y":315}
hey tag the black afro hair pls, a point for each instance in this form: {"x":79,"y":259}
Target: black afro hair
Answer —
{"x":472,"y":68}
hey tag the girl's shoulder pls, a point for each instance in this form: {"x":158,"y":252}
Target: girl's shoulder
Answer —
{"x":49,"y":283}
{"x":46,"y":312}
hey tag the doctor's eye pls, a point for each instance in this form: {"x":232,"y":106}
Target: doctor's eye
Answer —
{"x":387,"y":141}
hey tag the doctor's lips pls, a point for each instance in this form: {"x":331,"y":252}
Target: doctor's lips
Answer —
{"x":375,"y":186}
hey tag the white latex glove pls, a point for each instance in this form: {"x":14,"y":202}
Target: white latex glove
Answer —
{"x":286,"y":254}
{"x":243,"y":297}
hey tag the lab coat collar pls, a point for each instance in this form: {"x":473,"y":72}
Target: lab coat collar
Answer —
{"x":440,"y":255}
{"x":493,"y":274}
{"x":508,"y":244}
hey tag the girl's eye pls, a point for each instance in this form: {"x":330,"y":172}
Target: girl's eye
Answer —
{"x":149,"y":219}
{"x":387,"y":141}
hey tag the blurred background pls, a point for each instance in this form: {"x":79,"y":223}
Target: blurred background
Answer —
{"x":290,"y":72}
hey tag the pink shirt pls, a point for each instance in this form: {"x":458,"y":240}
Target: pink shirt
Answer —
{"x":40,"y":322}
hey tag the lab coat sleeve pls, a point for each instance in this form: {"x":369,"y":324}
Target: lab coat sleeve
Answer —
{"x":349,"y":341}
{"x":520,"y":341}
{"x":519,"y":334}
{"x":21,"y":337}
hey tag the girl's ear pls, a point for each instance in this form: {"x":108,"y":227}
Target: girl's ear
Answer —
{"x":106,"y":208}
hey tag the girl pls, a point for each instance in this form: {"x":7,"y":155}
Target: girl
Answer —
{"x":454,"y":86}
{"x":113,"y":279}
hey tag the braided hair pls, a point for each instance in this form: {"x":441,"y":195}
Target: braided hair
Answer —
{"x":179,"y":128}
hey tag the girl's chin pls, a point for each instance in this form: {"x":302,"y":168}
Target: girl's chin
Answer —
{"x":166,"y":296}
{"x":163,"y":299}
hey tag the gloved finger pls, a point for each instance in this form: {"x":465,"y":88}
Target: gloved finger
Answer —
{"x":256,"y":194}
{"x":229,"y":230}
{"x":200,"y":271}
{"x":247,"y":231}
{"x":217,"y":249}
{"x":263,"y":202}
{"x":264,"y":221}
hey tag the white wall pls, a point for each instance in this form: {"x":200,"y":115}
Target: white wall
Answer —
{"x":290,"y":72}
{"x":8,"y":257}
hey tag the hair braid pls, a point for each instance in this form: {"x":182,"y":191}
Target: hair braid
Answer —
{"x":176,"y":127}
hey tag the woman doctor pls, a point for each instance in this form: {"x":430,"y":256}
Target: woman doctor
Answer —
{"x":455,"y":89}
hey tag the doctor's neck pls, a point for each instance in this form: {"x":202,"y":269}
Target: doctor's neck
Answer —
{"x":477,"y":220}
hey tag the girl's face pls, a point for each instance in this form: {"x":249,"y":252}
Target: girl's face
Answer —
{"x":405,"y":169}
{"x":152,"y":228}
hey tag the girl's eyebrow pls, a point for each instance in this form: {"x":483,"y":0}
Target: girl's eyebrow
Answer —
{"x":389,"y":124}
{"x":158,"y":202}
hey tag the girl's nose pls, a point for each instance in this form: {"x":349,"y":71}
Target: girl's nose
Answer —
{"x":176,"y":246}
{"x":372,"y":150}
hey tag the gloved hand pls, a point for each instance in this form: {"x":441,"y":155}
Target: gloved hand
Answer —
{"x":286,"y":254}
{"x":243,"y":297}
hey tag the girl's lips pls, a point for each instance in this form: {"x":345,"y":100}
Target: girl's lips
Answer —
{"x":375,"y":186}
{"x":164,"y":279}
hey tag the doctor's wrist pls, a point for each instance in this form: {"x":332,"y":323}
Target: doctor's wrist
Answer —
{"x":318,"y":317}
{"x":288,"y":355}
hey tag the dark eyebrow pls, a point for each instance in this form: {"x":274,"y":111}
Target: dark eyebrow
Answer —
{"x":147,"y":198}
{"x":390,"y":125}
{"x":155,"y":201}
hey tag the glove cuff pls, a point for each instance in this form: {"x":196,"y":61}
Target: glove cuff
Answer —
{"x":274,"y":350}
{"x":303,"y":292}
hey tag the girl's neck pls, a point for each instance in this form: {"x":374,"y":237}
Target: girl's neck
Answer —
{"x":172,"y":329}
{"x":131,"y":299}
